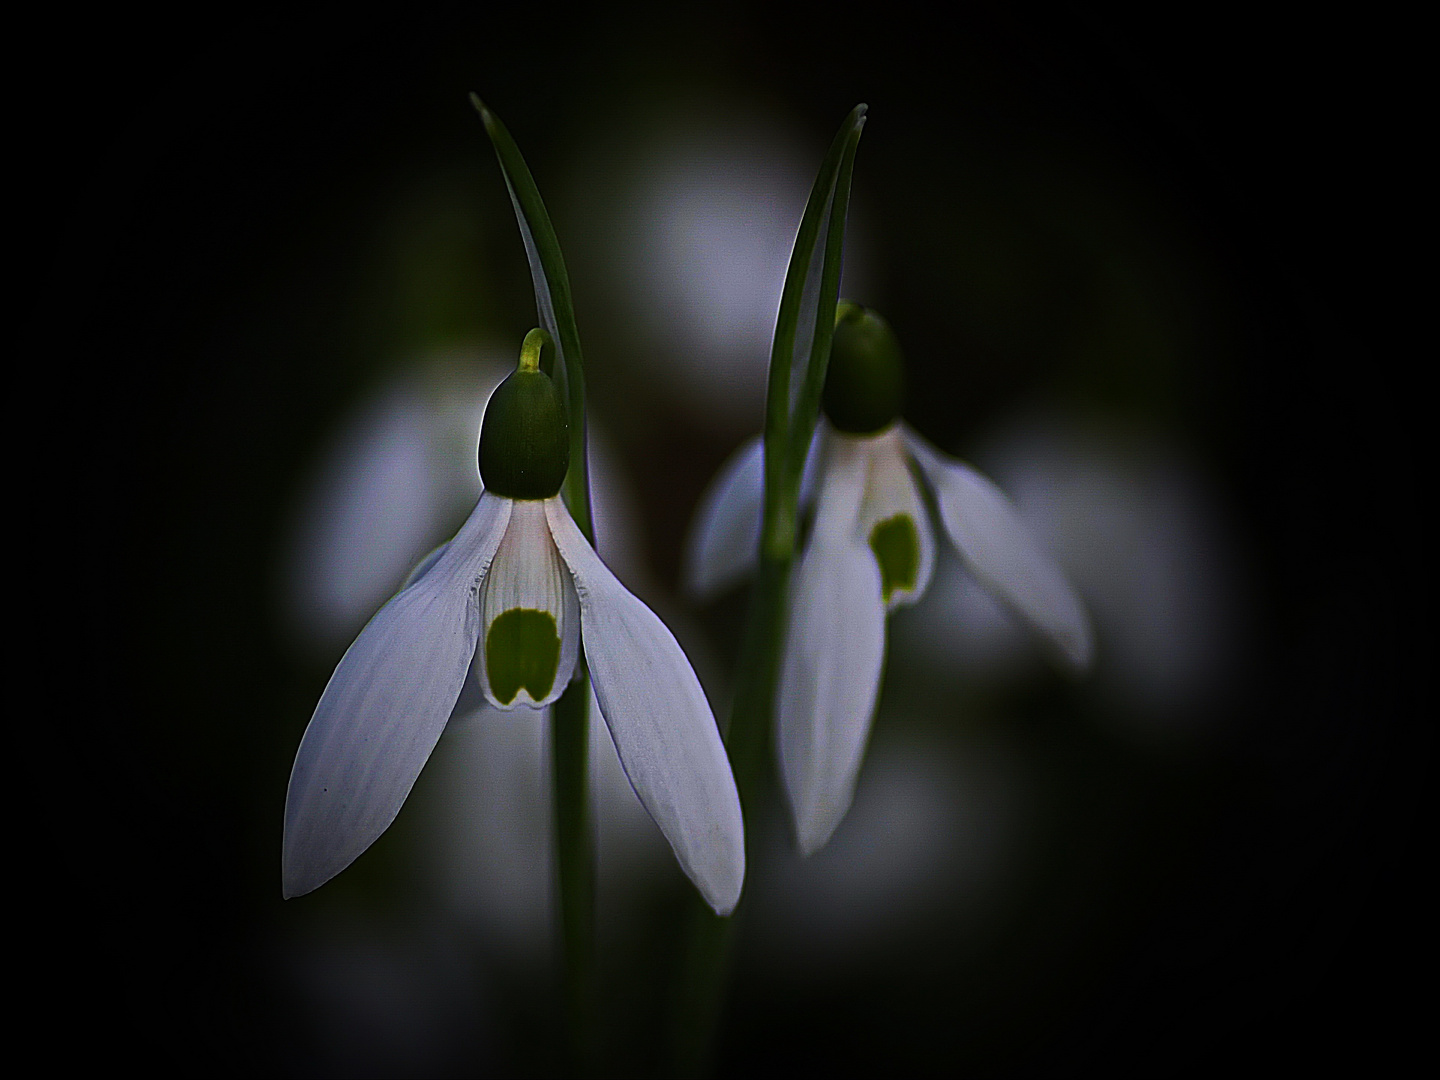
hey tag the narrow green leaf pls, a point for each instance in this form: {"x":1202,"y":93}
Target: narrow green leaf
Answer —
{"x":804,"y":328}
{"x":788,"y":424}
{"x":574,"y":832}
{"x":552,"y":302}
{"x":822,"y":332}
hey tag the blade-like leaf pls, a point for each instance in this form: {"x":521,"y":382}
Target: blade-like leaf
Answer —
{"x":807,"y":406}
{"x":788,"y":427}
{"x":552,"y":302}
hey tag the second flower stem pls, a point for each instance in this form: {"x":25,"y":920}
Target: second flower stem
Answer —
{"x":708,"y":937}
{"x":575,"y":865}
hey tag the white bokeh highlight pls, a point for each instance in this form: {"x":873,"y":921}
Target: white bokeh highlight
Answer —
{"x":934,"y":836}
{"x":704,"y":214}
{"x":396,"y":478}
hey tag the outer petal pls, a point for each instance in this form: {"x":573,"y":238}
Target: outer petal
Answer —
{"x":424,"y":566}
{"x":999,"y":549}
{"x":660,"y":721}
{"x":834,"y":654}
{"x":813,"y":457}
{"x":725,"y":538}
{"x":385,"y":707}
{"x":726,"y":535}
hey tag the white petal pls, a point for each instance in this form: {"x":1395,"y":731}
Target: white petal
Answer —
{"x":810,"y":476}
{"x":1000,"y":550}
{"x":527,"y":574}
{"x":843,"y":471}
{"x":424,"y":566}
{"x":385,"y":707}
{"x":890,"y":492}
{"x":834,"y":654}
{"x":660,"y":721}
{"x":726,"y":535}
{"x":725,"y":538}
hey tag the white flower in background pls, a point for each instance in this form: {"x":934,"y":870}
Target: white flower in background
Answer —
{"x":508,"y":602}
{"x":870,"y":550}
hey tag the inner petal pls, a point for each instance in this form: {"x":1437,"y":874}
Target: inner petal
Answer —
{"x":530,"y":616}
{"x":522,"y":651}
{"x":896,"y":545}
{"x":892,"y":521}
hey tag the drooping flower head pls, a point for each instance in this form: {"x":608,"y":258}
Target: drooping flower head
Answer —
{"x":870,"y":550}
{"x":511,"y":601}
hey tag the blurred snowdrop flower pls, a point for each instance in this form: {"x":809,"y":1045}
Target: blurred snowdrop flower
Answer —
{"x":507,"y":602}
{"x":871,"y":549}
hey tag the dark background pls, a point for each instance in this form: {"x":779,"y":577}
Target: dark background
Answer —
{"x":199,"y":187}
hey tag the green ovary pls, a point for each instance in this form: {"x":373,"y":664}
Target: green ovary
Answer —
{"x":897,"y":550}
{"x":522,"y":649}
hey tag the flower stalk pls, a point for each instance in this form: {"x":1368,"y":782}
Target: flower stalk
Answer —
{"x":575,"y":862}
{"x":788,"y":432}
{"x":803,"y":330}
{"x":570,"y":720}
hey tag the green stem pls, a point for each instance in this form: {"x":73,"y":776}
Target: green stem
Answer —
{"x":574,"y":834}
{"x":747,"y":739}
{"x":788,"y":431}
{"x":709,"y":937}
{"x":575,"y":866}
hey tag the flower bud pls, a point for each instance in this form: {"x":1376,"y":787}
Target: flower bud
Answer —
{"x":865,"y":382}
{"x":524,"y":443}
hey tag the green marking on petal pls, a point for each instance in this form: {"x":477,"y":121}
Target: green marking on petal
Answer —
{"x":897,"y":549}
{"x":522,"y":649}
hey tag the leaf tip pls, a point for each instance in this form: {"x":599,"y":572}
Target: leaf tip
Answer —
{"x":486,"y":116}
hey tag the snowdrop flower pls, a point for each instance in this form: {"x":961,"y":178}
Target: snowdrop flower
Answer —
{"x":870,"y":550}
{"x":508,"y":603}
